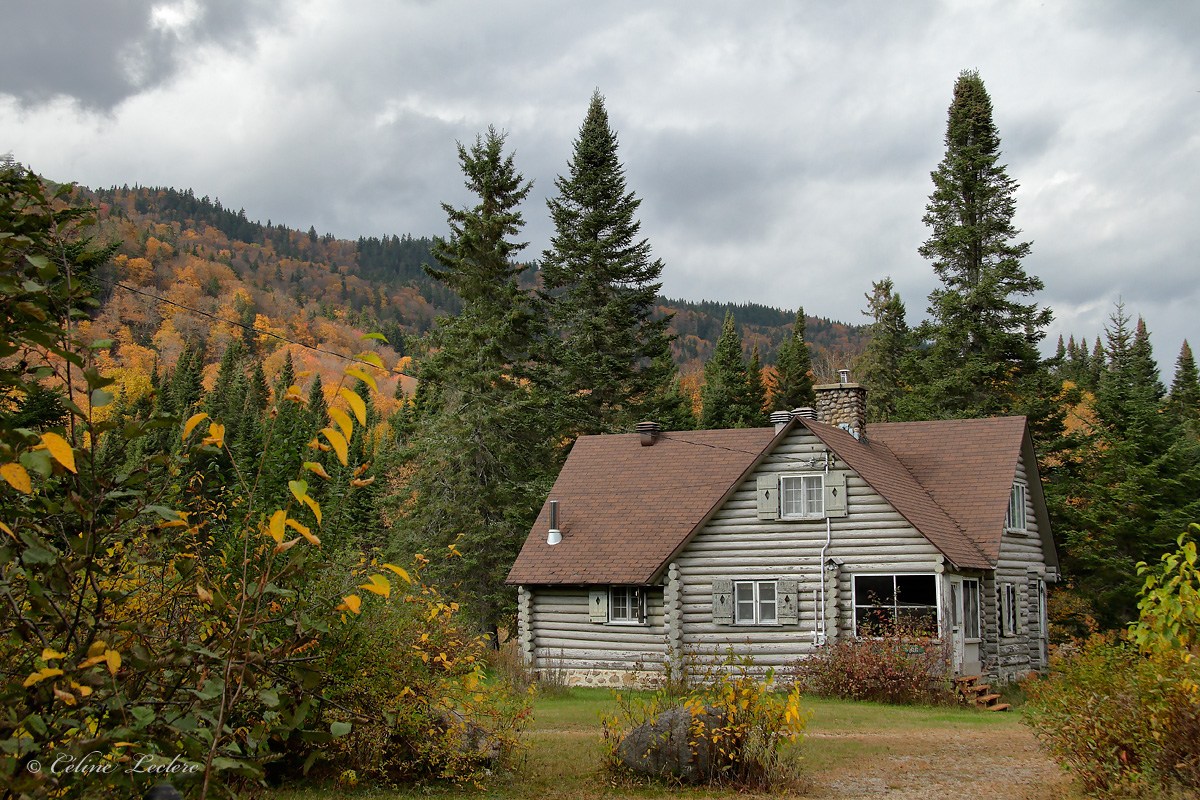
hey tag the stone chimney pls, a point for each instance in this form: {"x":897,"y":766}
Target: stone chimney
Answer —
{"x":843,"y":404}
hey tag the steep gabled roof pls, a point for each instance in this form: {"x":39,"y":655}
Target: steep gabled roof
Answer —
{"x":625,"y":510}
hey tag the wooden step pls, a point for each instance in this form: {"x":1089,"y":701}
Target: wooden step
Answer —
{"x":986,"y":699}
{"x":978,"y":688}
{"x":997,"y":707}
{"x":961,"y":679}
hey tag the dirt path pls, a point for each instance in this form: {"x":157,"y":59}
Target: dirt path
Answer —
{"x":993,"y":763}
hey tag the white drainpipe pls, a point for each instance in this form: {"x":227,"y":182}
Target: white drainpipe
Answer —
{"x":819,"y":633}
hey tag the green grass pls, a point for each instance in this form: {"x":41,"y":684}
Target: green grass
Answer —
{"x":565,"y":749}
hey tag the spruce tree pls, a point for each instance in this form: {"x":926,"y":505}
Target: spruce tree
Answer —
{"x":793,"y":386}
{"x":886,"y":364}
{"x":726,"y":400}
{"x":482,"y":448}
{"x":610,"y":355}
{"x":1184,"y":400}
{"x":983,"y":337}
{"x":757,"y":389}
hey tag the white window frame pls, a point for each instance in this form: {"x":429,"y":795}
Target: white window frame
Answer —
{"x":760,"y":603}
{"x":855,"y":605}
{"x":1009,"y":609}
{"x":1015,"y":519}
{"x":972,"y":605}
{"x":807,"y":492}
{"x":634,"y":605}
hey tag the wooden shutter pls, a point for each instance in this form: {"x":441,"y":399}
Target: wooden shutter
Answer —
{"x":722,"y":600}
{"x":835,"y":495}
{"x":787,"y":594}
{"x":768,"y":497}
{"x":598,"y":605}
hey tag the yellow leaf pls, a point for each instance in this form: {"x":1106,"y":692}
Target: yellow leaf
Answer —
{"x":277,"y":525}
{"x":358,"y":483}
{"x":97,"y":648}
{"x":283,"y":547}
{"x":193,"y":421}
{"x":66,"y":697}
{"x":52,"y":655}
{"x":343,"y":421}
{"x":340,"y":447}
{"x":313,"y":506}
{"x":7,"y":530}
{"x":60,"y":449}
{"x":355,"y":372}
{"x":18,"y":478}
{"x":114,"y":661}
{"x":299,"y":489}
{"x":372,"y":359}
{"x":303,"y":531}
{"x":41,"y":675}
{"x":293,"y":394}
{"x":378,"y":585}
{"x":216,"y":435}
{"x":204,"y":594}
{"x":356,"y":404}
{"x":403,"y":573}
{"x":316,"y":469}
{"x":84,"y":691}
{"x":350,"y":602}
{"x":453,"y":550}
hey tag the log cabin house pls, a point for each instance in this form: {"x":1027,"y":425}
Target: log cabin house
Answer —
{"x":776,"y":541}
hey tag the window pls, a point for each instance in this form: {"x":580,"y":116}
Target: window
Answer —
{"x":755,"y":603}
{"x":886,"y":604}
{"x":626,"y":604}
{"x":802,"y":496}
{"x":1014,"y":520}
{"x":971,"y":627}
{"x":1008,"y":609}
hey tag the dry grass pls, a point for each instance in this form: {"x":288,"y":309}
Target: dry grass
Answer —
{"x":853,"y":750}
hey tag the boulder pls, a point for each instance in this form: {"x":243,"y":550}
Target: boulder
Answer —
{"x":668,"y":747}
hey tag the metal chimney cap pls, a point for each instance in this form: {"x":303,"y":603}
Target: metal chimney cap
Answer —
{"x":843,"y":376}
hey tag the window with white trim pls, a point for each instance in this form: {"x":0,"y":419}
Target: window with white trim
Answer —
{"x":626,"y":605}
{"x":802,"y":496}
{"x":1014,"y":520}
{"x":1008,"y":609}
{"x":755,"y":603}
{"x":971,"y":627}
{"x":886,"y":604}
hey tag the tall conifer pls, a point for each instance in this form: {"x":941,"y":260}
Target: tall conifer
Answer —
{"x":600,"y":282}
{"x":792,"y":386}
{"x":887,"y":362}
{"x":726,"y":400}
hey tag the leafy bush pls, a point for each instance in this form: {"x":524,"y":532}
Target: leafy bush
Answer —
{"x":899,"y":667}
{"x":737,"y":716}
{"x":1123,"y":713}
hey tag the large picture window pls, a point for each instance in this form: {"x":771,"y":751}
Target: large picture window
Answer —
{"x":755,"y":603}
{"x":887,"y":604}
{"x":802,"y":496}
{"x":626,"y":604}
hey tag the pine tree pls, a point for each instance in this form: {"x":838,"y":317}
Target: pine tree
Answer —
{"x":793,"y":386}
{"x":482,"y":448}
{"x":611,"y":355}
{"x":1184,"y":400}
{"x":983,"y":340}
{"x":726,"y":400}
{"x":887,"y":362}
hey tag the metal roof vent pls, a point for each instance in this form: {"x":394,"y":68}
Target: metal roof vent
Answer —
{"x":843,"y":376}
{"x":555,"y":535}
{"x":650,"y":431}
{"x":780,"y":418}
{"x":805,"y":412}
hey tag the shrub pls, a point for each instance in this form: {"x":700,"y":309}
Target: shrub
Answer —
{"x":1123,"y":712}
{"x":900,"y":667}
{"x":739,"y":723}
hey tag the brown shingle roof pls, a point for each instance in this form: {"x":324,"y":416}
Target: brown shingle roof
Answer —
{"x":624,"y":509}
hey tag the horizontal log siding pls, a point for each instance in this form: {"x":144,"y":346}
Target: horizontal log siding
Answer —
{"x":1021,"y":563}
{"x":736,"y":544}
{"x":565,"y":638}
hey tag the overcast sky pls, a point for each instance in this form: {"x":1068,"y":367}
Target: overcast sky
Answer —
{"x":781,"y":150}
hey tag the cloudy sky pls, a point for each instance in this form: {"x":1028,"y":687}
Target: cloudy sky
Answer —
{"x":782,"y":150}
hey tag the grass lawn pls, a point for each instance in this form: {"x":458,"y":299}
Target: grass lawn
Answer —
{"x":851,"y":750}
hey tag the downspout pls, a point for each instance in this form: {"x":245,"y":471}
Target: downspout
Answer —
{"x":819,"y":633}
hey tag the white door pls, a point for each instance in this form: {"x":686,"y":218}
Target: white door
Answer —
{"x":956,"y":623}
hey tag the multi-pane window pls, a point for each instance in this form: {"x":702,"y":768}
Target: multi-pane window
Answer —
{"x":755,"y":603}
{"x":626,"y":604}
{"x":1014,"y":520}
{"x":971,"y":626}
{"x":1008,"y":609}
{"x":802,"y":496}
{"x":885,"y":604}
